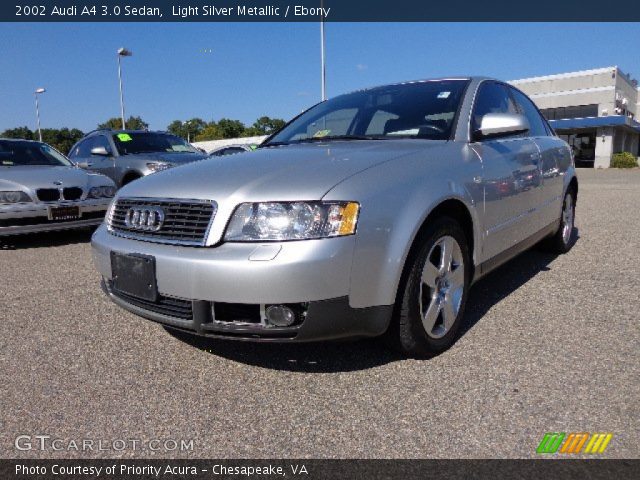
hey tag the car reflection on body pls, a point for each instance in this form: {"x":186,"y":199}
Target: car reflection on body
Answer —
{"x":41,"y":190}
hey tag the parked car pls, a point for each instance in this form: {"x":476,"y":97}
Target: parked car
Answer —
{"x":41,"y":190}
{"x":232,"y":149}
{"x":126,"y":155}
{"x":366,"y":215}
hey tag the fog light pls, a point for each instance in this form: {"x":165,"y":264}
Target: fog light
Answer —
{"x":280,"y":316}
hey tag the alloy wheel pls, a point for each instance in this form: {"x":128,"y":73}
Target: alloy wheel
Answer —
{"x":442,"y":287}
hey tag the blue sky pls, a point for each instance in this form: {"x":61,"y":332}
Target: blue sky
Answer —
{"x":245,"y":70}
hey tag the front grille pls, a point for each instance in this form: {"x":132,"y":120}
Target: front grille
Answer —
{"x":48,"y":194}
{"x":169,"y":306}
{"x":72,"y":193}
{"x":185,"y":221}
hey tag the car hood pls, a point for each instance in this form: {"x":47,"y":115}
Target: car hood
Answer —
{"x":174,"y":158}
{"x":289,"y":172}
{"x":33,"y":176}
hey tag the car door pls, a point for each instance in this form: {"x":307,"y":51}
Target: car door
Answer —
{"x":511,"y":176}
{"x":555,"y":159}
{"x":103,"y":164}
{"x":96,"y":163}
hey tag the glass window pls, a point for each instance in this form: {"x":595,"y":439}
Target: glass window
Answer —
{"x":492,"y":97}
{"x":423,"y":110}
{"x":82,"y":149}
{"x":529,"y":110}
{"x":101,"y":141}
{"x":30,"y":153}
{"x":147,"y":142}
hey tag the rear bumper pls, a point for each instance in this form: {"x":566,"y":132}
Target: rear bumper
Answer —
{"x":324,"y":320}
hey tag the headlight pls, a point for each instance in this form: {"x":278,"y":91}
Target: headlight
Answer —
{"x":158,"y":167}
{"x":102,"y":192}
{"x":292,"y":221}
{"x":14,"y":197}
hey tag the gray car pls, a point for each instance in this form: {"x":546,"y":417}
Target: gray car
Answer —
{"x":232,"y":149}
{"x":41,"y":190}
{"x":371,"y":213}
{"x":126,"y":155}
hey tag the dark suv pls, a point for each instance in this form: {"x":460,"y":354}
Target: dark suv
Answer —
{"x":125,"y":155}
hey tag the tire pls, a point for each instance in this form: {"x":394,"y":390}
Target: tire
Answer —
{"x":432,"y":299}
{"x":562,"y":240}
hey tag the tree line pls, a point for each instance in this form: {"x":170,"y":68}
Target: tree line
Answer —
{"x":194,"y":130}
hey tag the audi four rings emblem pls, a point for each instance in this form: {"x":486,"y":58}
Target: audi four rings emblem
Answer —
{"x":148,"y":219}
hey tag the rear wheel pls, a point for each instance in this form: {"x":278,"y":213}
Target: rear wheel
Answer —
{"x":562,"y":241}
{"x":431,"y":305}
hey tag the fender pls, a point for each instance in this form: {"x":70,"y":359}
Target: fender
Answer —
{"x":405,"y":192}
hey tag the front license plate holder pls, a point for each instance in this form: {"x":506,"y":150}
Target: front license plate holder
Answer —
{"x":65,"y":213}
{"x":134,"y":274}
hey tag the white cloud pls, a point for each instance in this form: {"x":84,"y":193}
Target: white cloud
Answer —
{"x":361,"y":66}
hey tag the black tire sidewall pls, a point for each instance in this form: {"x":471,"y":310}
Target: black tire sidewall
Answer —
{"x":413,"y":338}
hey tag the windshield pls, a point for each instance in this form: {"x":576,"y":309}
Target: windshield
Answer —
{"x":411,"y":110}
{"x":147,"y":142}
{"x":30,"y":153}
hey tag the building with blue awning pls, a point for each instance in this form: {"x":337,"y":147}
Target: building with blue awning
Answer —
{"x":593,"y":110}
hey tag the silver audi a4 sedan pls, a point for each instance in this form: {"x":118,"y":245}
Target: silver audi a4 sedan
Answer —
{"x":371,"y":213}
{"x":41,"y":190}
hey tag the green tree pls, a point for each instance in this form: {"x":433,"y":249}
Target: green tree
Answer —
{"x":189,"y":129}
{"x":132,"y":123}
{"x":20,"y":132}
{"x":61,"y":139}
{"x":265,"y":126}
{"x":231,"y":128}
{"x":209,"y":132}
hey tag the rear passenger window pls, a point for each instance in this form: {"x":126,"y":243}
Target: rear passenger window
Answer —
{"x":528,"y":109}
{"x":492,"y":97}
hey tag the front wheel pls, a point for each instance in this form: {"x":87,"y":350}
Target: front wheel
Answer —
{"x":431,"y":305}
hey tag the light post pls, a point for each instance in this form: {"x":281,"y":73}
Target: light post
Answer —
{"x":122,"y":52}
{"x":186,"y":125}
{"x":37,"y":92}
{"x":322,"y":57}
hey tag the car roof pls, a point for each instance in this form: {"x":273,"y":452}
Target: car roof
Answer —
{"x":119,"y":130}
{"x":19,"y":140}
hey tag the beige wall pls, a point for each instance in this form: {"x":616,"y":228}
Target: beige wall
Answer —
{"x":597,"y":86}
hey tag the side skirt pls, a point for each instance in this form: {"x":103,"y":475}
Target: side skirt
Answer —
{"x":494,"y":262}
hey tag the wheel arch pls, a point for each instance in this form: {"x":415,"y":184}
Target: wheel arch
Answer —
{"x":454,"y":208}
{"x":129,"y":176}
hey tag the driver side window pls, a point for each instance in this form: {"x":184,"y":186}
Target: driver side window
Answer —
{"x":492,"y":97}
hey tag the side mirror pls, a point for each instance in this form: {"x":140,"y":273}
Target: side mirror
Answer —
{"x":101,"y":151}
{"x":495,"y":125}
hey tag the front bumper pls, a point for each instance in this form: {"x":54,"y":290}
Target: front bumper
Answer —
{"x":325,"y":320}
{"x":33,"y":217}
{"x":192,"y":280}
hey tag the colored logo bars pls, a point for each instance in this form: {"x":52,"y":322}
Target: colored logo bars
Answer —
{"x":574,"y":443}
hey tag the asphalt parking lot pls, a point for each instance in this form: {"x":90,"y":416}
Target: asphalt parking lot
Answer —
{"x":550,"y":344}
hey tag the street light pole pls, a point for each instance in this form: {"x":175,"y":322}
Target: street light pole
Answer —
{"x":186,"y":125}
{"x":122,"y":52}
{"x":37,"y":92}
{"x":322,"y":57}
